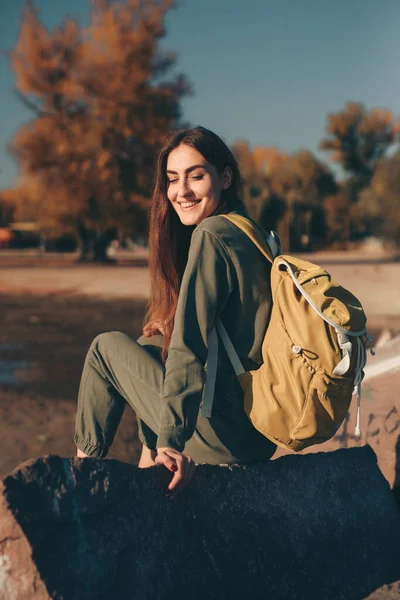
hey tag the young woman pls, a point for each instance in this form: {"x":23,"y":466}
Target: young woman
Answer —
{"x":202,"y":267}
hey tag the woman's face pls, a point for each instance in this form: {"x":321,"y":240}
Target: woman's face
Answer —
{"x":194,"y":185}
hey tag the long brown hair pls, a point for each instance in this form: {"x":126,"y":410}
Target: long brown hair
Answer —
{"x":169,"y":239}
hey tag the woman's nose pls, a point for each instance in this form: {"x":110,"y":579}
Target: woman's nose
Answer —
{"x":183,"y":188}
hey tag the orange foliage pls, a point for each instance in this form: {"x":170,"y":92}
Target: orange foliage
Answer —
{"x":103,"y":106}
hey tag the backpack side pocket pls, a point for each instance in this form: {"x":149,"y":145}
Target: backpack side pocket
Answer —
{"x":326,"y":406}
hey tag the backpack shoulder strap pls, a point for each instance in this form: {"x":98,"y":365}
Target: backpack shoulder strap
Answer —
{"x":270,"y":246}
{"x":268,"y":243}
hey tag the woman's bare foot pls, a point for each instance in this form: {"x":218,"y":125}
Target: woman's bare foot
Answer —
{"x":81,"y":454}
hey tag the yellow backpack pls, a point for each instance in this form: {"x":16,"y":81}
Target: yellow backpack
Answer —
{"x":314,"y":352}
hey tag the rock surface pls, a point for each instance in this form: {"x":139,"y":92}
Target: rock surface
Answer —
{"x":319,"y":526}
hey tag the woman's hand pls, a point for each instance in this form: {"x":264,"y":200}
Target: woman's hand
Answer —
{"x":182,"y":466}
{"x":152,"y":327}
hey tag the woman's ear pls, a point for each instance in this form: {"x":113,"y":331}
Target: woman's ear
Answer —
{"x":227,"y":177}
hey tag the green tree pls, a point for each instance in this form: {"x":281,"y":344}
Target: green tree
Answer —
{"x":104,"y":100}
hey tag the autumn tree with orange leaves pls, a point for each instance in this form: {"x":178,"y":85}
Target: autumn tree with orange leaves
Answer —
{"x":255,"y":166}
{"x":103,"y":100}
{"x":285,"y":192}
{"x":357,"y":139}
{"x":379,"y":204}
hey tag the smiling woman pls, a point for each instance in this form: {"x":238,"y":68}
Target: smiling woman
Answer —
{"x":197,"y":177}
{"x":202,"y":268}
{"x":194,"y":185}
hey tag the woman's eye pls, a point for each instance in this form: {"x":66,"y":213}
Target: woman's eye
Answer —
{"x":197,"y":176}
{"x":172,"y":180}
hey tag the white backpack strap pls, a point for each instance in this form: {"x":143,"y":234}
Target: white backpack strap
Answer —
{"x":212,"y":363}
{"x":346,"y":348}
{"x":209,"y":386}
{"x":230,"y":350}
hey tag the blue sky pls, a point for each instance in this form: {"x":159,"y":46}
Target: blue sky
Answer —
{"x":268,"y":71}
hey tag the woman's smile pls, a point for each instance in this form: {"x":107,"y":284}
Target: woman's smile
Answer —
{"x":189,"y":205}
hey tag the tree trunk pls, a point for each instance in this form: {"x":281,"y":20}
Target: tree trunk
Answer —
{"x":86,"y":248}
{"x":287,"y":223}
{"x":101,"y":243}
{"x":86,"y":239}
{"x":94,"y":244}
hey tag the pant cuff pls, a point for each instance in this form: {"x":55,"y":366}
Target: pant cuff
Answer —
{"x":91,"y":450}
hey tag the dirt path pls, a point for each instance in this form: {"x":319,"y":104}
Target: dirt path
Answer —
{"x":376,"y":284}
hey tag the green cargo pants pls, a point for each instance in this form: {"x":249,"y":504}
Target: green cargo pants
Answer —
{"x":119,"y":370}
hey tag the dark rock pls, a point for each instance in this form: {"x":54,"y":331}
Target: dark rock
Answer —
{"x":320,"y":526}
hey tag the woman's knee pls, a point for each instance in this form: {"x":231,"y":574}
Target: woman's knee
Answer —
{"x":106,"y":341}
